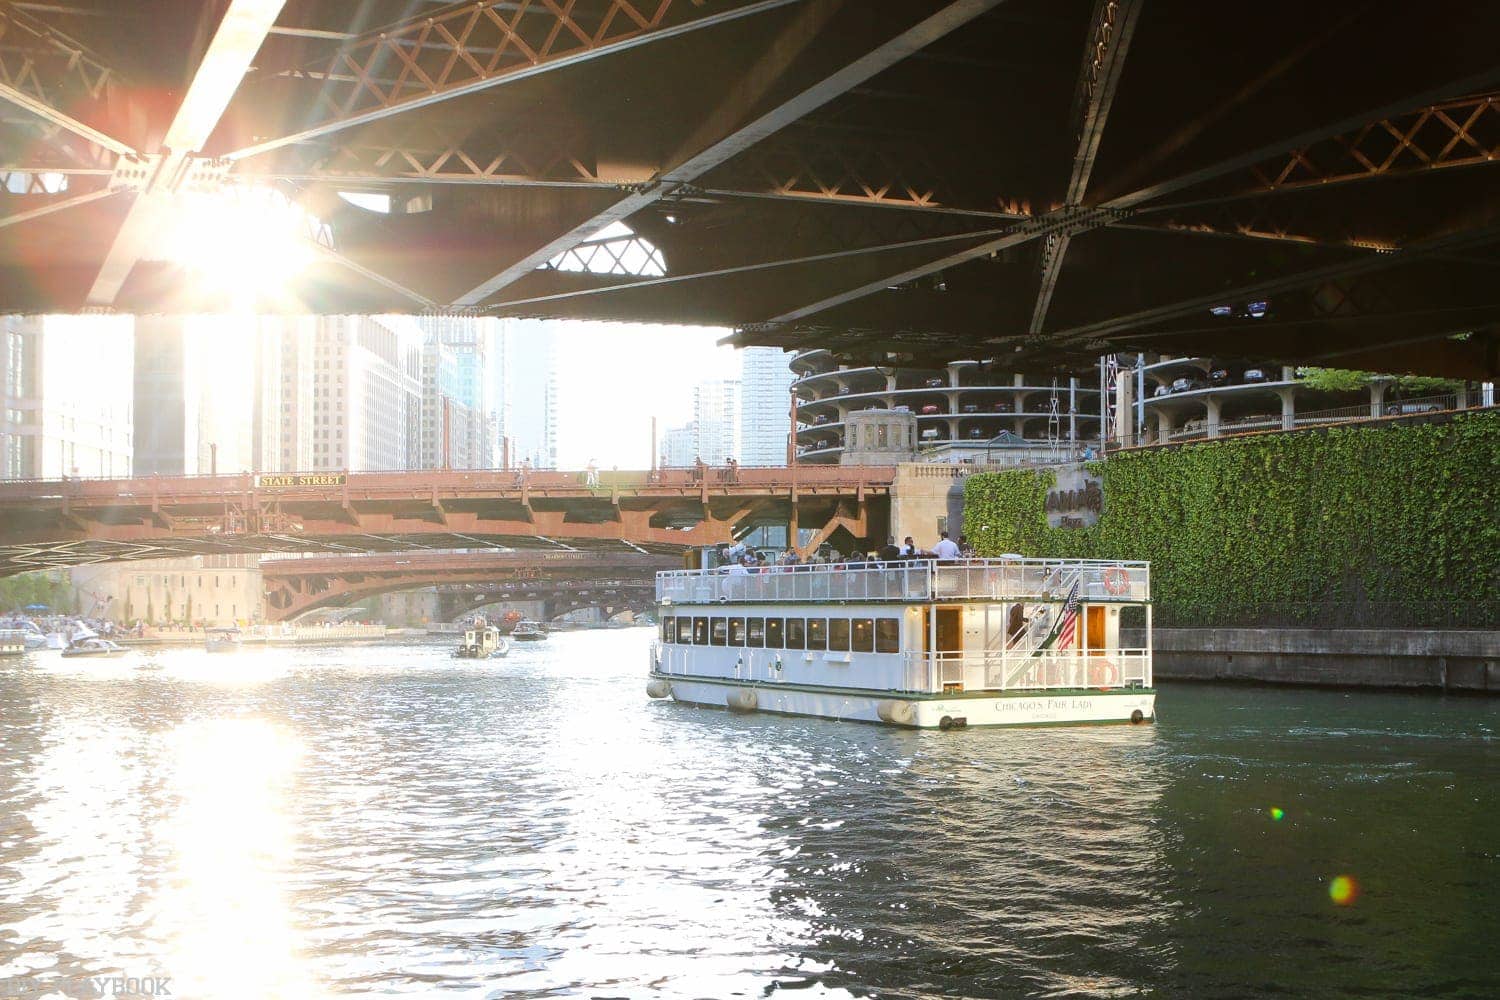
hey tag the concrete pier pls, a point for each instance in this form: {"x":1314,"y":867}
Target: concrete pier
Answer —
{"x":1392,"y":658}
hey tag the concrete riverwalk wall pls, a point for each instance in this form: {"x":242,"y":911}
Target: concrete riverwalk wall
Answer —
{"x":1447,"y":660}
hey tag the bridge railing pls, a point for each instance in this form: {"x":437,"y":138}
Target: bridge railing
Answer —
{"x":920,"y":580}
{"x":424,"y":481}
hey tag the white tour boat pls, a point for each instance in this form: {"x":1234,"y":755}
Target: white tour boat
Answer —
{"x":922,"y":643}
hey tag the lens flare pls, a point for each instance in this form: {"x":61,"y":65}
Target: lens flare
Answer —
{"x":1277,"y":813}
{"x":1343,"y":890}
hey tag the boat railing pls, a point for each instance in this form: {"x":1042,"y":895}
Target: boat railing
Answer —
{"x":933,"y":673}
{"x":919,"y":580}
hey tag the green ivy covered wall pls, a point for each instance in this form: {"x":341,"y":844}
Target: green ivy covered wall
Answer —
{"x":1395,"y":526}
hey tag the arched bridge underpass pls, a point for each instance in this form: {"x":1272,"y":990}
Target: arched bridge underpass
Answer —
{"x":77,"y":521}
{"x":557,"y":597}
{"x":297,"y":586}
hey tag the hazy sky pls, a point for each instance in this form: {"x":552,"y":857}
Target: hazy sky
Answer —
{"x":613,"y":377}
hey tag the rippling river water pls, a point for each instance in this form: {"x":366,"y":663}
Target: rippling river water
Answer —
{"x":387,"y":820}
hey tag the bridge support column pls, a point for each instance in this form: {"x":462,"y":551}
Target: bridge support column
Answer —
{"x":1288,"y":408}
{"x":1377,"y":396}
{"x":1214,"y":408}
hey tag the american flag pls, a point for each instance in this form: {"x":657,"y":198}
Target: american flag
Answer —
{"x":1067,"y":628}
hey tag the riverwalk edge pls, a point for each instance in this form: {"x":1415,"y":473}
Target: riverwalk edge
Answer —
{"x":1443,"y":660}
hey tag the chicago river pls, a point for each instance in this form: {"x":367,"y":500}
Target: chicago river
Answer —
{"x":388,"y":820}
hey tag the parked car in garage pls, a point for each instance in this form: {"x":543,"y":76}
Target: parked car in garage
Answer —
{"x":1186,"y":384}
{"x":1219,"y":376}
{"x":930,"y":409}
{"x":934,"y":383}
{"x":1253,"y":375}
{"x":1002,"y":407}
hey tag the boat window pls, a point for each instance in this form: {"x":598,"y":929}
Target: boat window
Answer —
{"x":887,"y":635}
{"x":700,"y":631}
{"x":684,"y":629}
{"x":718,"y":631}
{"x":817,"y":633}
{"x":862,"y":635}
{"x":773,"y":633}
{"x":668,"y":629}
{"x":838,"y":634}
{"x":755,"y":632}
{"x":795,"y":633}
{"x":736,"y":631}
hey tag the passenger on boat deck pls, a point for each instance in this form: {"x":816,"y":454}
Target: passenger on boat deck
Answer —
{"x":945,"y":548}
{"x":909,"y":549}
{"x":738,"y":569}
{"x":964,"y":548}
{"x":889,"y":552}
{"x":789,"y":558}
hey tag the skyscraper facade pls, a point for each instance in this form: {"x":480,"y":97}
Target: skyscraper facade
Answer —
{"x":468,"y":387}
{"x":716,"y":418}
{"x":367,"y":393}
{"x":67,"y":385}
{"x":679,"y":447}
{"x":765,"y":405}
{"x":531,"y":404}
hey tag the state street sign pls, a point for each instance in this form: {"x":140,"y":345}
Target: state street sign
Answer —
{"x":300,"y":479}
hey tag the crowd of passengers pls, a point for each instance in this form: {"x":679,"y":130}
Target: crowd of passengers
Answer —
{"x":737,"y":559}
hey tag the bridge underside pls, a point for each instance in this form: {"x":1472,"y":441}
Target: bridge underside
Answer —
{"x":45,"y":525}
{"x":288,"y":598}
{"x":914,"y":181}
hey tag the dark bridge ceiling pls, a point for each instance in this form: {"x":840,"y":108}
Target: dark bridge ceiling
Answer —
{"x":903,"y":180}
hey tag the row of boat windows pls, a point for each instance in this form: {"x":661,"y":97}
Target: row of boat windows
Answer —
{"x":859,"y":635}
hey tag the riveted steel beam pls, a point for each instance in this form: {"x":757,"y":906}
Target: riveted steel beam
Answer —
{"x":239,"y":36}
{"x":45,"y":71}
{"x":1113,"y":25}
{"x":1126,"y":206}
{"x":725,"y":134}
{"x":468,"y":47}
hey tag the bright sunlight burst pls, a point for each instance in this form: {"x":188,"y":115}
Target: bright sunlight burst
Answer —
{"x":246,"y":242}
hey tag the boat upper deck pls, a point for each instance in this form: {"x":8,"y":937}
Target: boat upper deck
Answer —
{"x":914,"y":581}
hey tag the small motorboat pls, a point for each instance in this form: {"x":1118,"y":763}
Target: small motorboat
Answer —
{"x":222,"y":640}
{"x":482,"y":642}
{"x":528,"y":631}
{"x":12,"y":642}
{"x":94,"y":646}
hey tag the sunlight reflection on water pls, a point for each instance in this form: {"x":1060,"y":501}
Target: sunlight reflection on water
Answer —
{"x":324,"y":821}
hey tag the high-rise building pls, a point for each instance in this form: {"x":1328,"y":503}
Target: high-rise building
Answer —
{"x":716,"y":418}
{"x":531,"y":402}
{"x":367,"y":393}
{"x":469,"y":387}
{"x":195,"y":395}
{"x":286,"y":375}
{"x":765,"y":405}
{"x":20,"y":416}
{"x":679,"y":447}
{"x":67,"y":385}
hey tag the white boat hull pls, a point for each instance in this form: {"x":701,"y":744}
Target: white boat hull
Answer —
{"x":1015,"y":708}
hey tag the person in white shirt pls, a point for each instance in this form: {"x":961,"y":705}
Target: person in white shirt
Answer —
{"x":945,"y":548}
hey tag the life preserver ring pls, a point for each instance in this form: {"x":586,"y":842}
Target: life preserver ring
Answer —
{"x":1117,"y":580}
{"x":1103,"y":674}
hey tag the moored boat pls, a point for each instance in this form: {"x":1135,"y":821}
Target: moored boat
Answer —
{"x":12,"y":642}
{"x":94,"y":646}
{"x":919,"y":643}
{"x":221,"y":640}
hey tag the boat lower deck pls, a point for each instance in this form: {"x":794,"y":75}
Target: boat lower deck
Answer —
{"x":940,"y":711}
